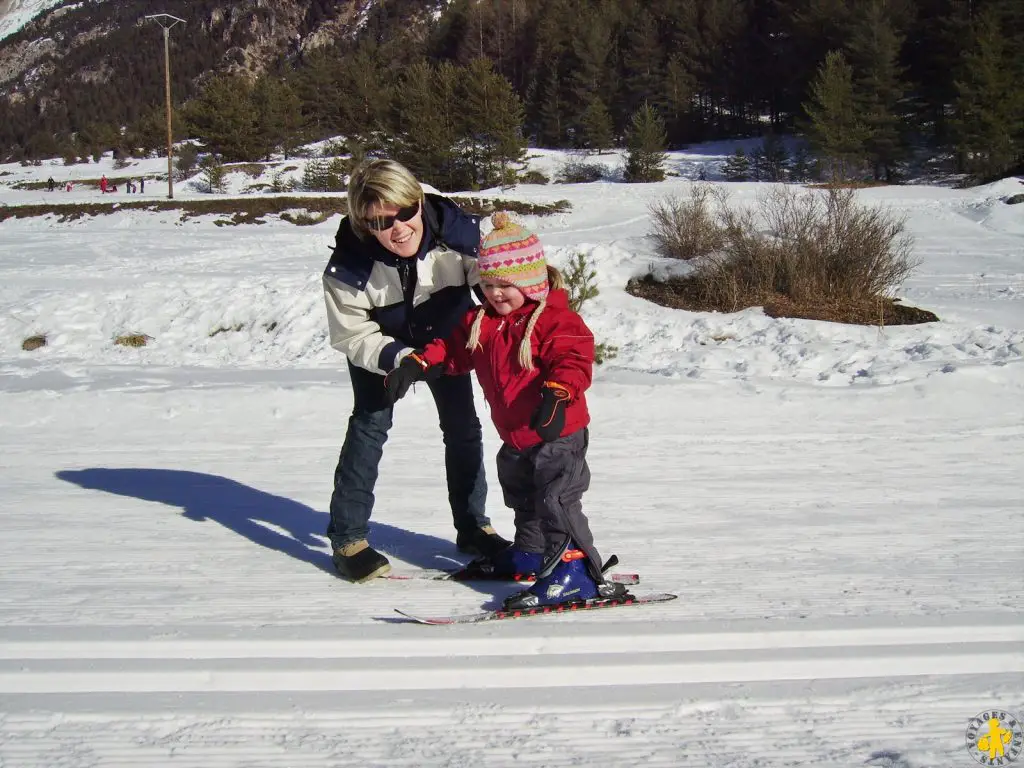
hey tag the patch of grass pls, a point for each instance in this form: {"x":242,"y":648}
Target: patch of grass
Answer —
{"x":245,"y":210}
{"x":1015,"y":199}
{"x":133,"y":340}
{"x":229,"y":329}
{"x":252,"y":170}
{"x":850,"y":184}
{"x":33,"y":343}
{"x":484,"y":207}
{"x":685,"y":293}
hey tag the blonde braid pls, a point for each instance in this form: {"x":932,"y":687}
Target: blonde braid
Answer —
{"x":525,"y":356}
{"x":474,"y":331}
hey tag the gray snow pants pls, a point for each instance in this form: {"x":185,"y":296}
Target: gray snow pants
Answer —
{"x":544,"y":485}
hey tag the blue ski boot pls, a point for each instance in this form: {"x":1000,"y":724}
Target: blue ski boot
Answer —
{"x":569,"y":581}
{"x":511,"y":564}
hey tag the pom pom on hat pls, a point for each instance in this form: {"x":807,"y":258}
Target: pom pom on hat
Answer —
{"x":511,"y":253}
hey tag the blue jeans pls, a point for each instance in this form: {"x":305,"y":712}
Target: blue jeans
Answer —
{"x":368,"y":426}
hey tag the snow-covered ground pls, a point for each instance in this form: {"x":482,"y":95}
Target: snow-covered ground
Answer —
{"x":839,"y":509}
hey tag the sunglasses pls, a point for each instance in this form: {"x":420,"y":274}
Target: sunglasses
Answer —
{"x":384,"y":223}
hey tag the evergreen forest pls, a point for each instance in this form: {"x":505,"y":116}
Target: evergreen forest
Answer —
{"x":457,"y":90}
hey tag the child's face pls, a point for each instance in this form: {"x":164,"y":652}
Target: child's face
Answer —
{"x":504,"y":297}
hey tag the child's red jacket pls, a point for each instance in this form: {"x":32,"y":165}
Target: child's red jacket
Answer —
{"x":563,"y":351}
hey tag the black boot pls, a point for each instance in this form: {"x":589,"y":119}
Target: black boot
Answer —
{"x":481,"y":541}
{"x":357,"y":561}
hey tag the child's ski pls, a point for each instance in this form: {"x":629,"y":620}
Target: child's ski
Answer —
{"x":499,"y":615}
{"x":473,"y":572}
{"x":628,"y":579}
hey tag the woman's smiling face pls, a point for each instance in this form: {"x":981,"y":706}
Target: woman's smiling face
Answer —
{"x":402,"y":238}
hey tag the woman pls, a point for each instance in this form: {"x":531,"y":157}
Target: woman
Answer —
{"x":399,"y":277}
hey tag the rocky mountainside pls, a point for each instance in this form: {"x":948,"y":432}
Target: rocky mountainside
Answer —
{"x":89,"y":42}
{"x":78,"y":65}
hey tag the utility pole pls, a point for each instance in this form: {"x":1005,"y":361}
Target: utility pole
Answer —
{"x":167,"y":21}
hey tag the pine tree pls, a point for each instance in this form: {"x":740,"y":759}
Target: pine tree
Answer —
{"x":646,"y":141}
{"x":678,"y":88}
{"x":428,"y":145}
{"x":493,"y":116}
{"x":773,"y":158}
{"x":224,"y":118}
{"x":214,"y":175}
{"x":836,"y":131}
{"x":365,"y":86}
{"x":642,"y":64}
{"x":737,"y":167}
{"x":550,"y":121}
{"x":874,"y":50}
{"x":277,"y":115}
{"x":594,"y":129}
{"x":990,"y":103}
{"x":591,"y":119}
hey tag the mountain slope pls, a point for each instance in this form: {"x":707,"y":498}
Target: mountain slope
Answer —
{"x":14,"y":14}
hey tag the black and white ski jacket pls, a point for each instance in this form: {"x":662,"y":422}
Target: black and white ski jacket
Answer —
{"x":380,"y":306}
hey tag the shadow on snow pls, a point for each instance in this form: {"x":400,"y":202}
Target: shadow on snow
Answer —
{"x":248,"y":511}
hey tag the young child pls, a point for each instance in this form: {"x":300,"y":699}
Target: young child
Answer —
{"x":534,"y":358}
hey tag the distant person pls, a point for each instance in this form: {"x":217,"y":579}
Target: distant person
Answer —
{"x":142,"y":185}
{"x":400,"y":276}
{"x":534,"y":359}
{"x":103,"y":183}
{"x":68,"y":187}
{"x":51,"y":184}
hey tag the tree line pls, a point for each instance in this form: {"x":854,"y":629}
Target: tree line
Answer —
{"x":874,"y":85}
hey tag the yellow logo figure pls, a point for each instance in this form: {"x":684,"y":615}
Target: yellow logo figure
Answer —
{"x":995,"y":737}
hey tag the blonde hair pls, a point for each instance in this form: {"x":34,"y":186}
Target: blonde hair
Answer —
{"x":555,"y":282}
{"x":379,"y":182}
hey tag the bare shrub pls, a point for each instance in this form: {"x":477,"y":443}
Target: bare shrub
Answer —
{"x":533,"y":177}
{"x":133,"y":340}
{"x":577,"y":171}
{"x":688,"y":228}
{"x":809,"y":248}
{"x":34,"y":342}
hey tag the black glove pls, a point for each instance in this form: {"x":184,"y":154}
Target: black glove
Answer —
{"x":413,"y":368}
{"x":549,"y":419}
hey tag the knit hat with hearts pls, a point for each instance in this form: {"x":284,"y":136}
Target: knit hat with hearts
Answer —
{"x":510,"y":253}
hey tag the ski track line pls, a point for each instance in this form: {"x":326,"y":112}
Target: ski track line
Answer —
{"x":605,"y":643}
{"x":479,"y":663}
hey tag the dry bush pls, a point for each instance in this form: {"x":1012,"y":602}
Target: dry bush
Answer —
{"x":133,"y":340}
{"x":305,"y":218}
{"x":688,"y":229}
{"x":808,"y":248}
{"x":579,"y":171}
{"x":533,"y":177}
{"x":33,"y":343}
